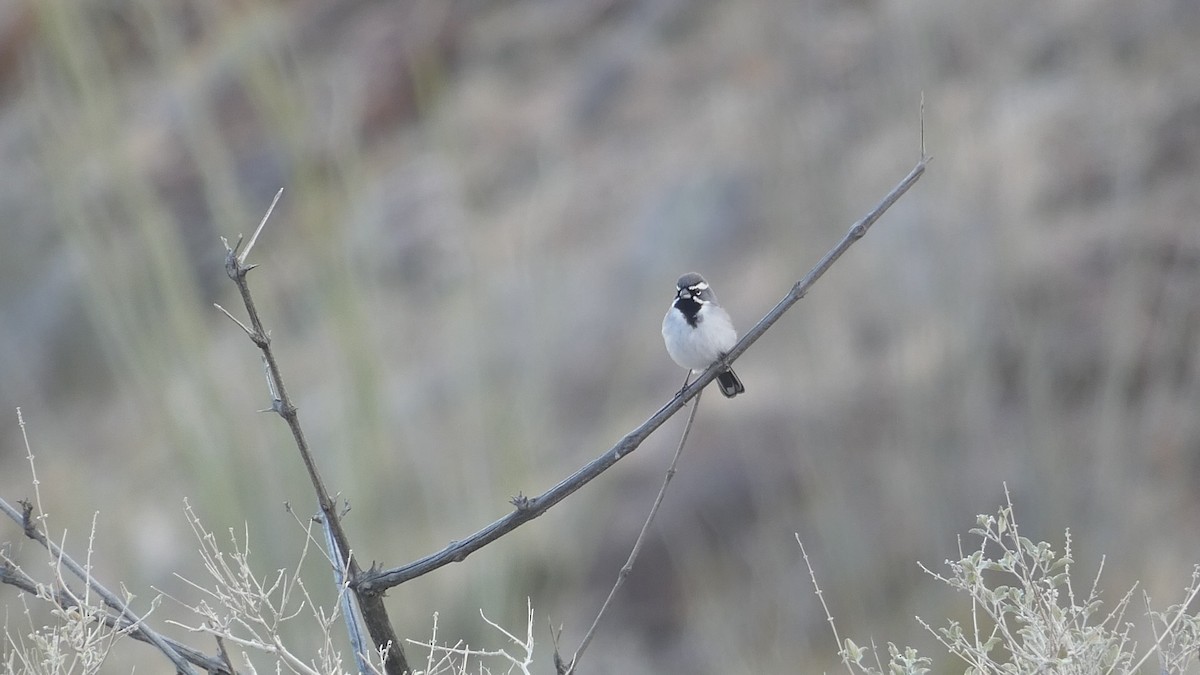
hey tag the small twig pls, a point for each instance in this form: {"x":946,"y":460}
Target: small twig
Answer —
{"x":637,"y":544}
{"x":374,"y":614}
{"x":828,"y":615}
{"x":235,"y":320}
{"x":1192,"y":592}
{"x":263,"y":222}
{"x":923,"y":126}
{"x":378,"y":581}
{"x":559,"y":664}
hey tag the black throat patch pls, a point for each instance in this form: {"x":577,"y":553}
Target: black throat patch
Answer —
{"x":690,"y":308}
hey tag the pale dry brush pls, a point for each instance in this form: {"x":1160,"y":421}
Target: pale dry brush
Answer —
{"x":249,"y":609}
{"x":1027,"y":618}
{"x":84,"y":629}
{"x":446,"y":659}
{"x":77,"y":641}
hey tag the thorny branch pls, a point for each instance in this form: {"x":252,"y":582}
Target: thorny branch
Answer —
{"x":379,"y":625}
{"x":527,"y":508}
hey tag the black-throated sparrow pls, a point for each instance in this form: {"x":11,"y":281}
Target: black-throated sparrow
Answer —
{"x":698,"y":331}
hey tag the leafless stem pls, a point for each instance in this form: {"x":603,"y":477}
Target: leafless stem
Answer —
{"x":828,"y":615}
{"x":528,"y":508}
{"x":568,"y":669}
{"x":261,"y":224}
{"x":379,"y":625}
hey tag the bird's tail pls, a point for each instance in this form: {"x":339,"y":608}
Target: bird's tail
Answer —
{"x":729,"y":383}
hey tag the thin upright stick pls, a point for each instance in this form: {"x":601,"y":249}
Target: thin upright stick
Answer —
{"x":568,"y":669}
{"x":374,"y":614}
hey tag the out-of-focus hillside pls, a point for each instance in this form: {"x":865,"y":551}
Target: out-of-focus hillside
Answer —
{"x":486,"y":207}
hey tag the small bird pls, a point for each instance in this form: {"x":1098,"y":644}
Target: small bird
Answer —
{"x":698,"y":331}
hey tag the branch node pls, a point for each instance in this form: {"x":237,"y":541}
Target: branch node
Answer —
{"x":522,"y":502}
{"x":287,"y":412}
{"x":236,"y":245}
{"x":27,"y":518}
{"x":233,"y":265}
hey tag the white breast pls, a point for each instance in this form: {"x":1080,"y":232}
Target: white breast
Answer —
{"x":696,"y":348}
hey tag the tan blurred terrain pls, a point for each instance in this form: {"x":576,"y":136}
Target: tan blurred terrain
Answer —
{"x":486,"y":206}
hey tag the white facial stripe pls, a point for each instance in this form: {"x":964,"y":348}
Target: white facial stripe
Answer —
{"x":693,"y":292}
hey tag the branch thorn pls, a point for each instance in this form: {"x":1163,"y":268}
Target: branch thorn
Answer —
{"x":261,"y":224}
{"x":235,"y":320}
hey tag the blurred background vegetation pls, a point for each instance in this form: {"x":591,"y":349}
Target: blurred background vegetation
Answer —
{"x":486,"y":207}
